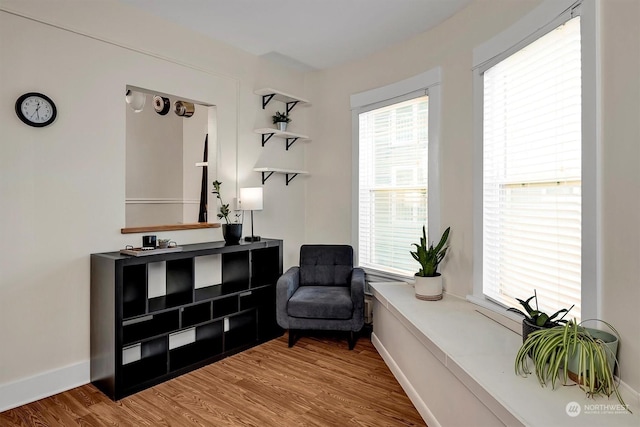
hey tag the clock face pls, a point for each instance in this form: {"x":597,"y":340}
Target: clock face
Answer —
{"x":36,"y":109}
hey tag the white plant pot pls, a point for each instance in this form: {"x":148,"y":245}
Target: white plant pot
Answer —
{"x":429,"y":288}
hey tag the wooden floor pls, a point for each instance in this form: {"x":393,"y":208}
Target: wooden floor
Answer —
{"x":318,"y":382}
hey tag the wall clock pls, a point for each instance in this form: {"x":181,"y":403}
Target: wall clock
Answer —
{"x":36,"y":109}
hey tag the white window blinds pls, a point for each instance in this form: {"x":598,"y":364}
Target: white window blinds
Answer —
{"x":532,"y":173}
{"x":392,"y":184}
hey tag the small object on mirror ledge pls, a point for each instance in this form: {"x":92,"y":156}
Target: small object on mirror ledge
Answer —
{"x":130,"y":250}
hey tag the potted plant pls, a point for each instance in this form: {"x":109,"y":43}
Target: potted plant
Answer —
{"x":281,"y":120}
{"x":231,"y":231}
{"x":534,"y":319}
{"x":428,"y":282}
{"x":587,"y":356}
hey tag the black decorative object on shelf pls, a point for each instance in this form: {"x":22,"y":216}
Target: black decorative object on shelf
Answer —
{"x":161,"y":104}
{"x":232,"y":233}
{"x":139,"y":339}
{"x":202,"y":215}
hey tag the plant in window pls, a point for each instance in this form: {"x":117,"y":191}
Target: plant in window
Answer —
{"x":535,"y":319}
{"x":587,"y":356}
{"x":230,"y":231}
{"x":428,"y":285}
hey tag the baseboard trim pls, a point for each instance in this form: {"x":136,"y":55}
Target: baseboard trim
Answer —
{"x":43,"y":385}
{"x":413,"y":395}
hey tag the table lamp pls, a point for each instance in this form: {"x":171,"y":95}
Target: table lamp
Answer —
{"x":251,"y":200}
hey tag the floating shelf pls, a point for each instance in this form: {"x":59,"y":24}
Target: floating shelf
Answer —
{"x":290,"y":137}
{"x":170,"y":227}
{"x":288,"y":173}
{"x":290,"y":100}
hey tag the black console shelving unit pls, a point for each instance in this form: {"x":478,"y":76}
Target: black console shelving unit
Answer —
{"x":141,"y":336}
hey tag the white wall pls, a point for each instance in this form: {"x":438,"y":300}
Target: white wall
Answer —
{"x":621,"y":178}
{"x":450,"y":45}
{"x":63,"y":187}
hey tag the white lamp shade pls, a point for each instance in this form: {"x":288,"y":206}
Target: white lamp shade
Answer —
{"x":250,"y":199}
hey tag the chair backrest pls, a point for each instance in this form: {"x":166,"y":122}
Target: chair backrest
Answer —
{"x":325,"y":265}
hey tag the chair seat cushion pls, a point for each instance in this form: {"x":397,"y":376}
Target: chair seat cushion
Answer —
{"x":321,"y":302}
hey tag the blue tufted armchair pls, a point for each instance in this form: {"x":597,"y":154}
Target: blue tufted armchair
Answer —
{"x":324,"y":293}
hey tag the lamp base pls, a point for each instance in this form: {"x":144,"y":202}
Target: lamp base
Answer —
{"x":252,"y":239}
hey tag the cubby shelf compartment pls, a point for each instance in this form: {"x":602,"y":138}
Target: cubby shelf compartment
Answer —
{"x":155,"y":324}
{"x":288,"y":173}
{"x":152,"y":363}
{"x":195,"y":314}
{"x":289,"y":137}
{"x":290,"y":101}
{"x":139,"y":339}
{"x":208,"y":343}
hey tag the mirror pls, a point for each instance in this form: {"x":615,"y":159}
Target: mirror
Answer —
{"x":169,"y":141}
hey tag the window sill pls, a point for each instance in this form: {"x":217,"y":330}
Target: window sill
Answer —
{"x":480,"y":354}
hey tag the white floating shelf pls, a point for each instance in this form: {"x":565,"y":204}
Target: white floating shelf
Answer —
{"x":291,"y":100}
{"x":290,"y":137}
{"x":280,"y":134}
{"x":288,"y":173}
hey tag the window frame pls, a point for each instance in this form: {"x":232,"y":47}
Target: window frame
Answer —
{"x":427,"y":83}
{"x":546,"y":17}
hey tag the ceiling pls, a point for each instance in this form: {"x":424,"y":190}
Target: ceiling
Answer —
{"x":306,"y":34}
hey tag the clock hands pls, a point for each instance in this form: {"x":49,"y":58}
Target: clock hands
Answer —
{"x":36,"y":113}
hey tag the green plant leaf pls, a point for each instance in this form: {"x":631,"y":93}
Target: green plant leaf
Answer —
{"x":542,"y":318}
{"x":551,"y":349}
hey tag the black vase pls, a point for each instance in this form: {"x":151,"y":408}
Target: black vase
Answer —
{"x":528,"y":327}
{"x":232,"y":233}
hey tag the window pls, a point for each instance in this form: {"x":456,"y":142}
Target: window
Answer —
{"x":533,"y":187}
{"x":395,"y":180}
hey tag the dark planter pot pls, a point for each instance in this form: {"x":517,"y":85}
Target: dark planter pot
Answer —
{"x":528,"y":327}
{"x":232,"y":233}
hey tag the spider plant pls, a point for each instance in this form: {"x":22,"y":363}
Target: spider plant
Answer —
{"x":559,"y":347}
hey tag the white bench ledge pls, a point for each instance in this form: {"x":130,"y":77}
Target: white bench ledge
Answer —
{"x":480,"y":353}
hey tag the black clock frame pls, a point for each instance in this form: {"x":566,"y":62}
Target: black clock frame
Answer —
{"x":54,"y":111}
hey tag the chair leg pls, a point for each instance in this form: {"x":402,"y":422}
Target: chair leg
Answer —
{"x":353,"y":337}
{"x":293,"y":337}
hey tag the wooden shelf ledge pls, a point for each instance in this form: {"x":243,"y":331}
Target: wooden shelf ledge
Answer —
{"x":169,"y":227}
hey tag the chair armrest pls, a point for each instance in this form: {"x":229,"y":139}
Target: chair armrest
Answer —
{"x":285,"y":287}
{"x":357,"y":290}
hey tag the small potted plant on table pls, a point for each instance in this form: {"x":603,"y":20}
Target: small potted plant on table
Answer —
{"x":281,"y":120}
{"x":428,"y":284}
{"x":231,"y":231}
